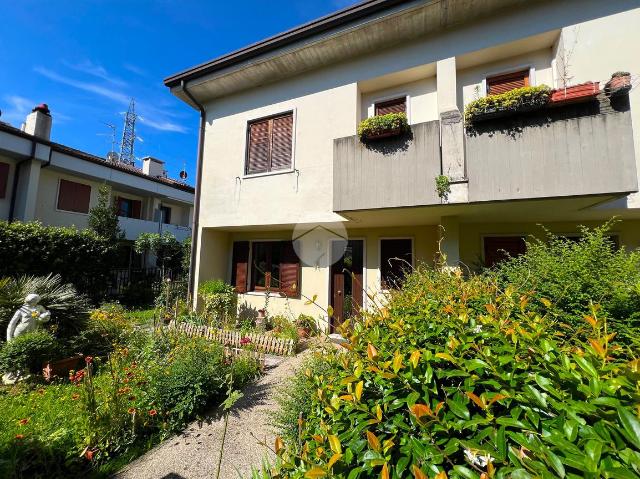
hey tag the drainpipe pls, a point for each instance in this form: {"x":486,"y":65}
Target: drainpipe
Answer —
{"x":196,"y":211}
{"x":16,"y":178}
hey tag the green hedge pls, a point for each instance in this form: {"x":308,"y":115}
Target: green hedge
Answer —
{"x":511,"y":101}
{"x":79,"y":257}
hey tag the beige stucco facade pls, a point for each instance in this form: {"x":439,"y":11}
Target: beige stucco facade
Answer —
{"x":436,"y":72}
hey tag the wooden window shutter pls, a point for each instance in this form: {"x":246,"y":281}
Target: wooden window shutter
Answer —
{"x":136,"y":209}
{"x":240,"y":266}
{"x":499,"y":248}
{"x":397,"y":105}
{"x":507,"y":82}
{"x":4,"y":179}
{"x":289,"y":270}
{"x":281,"y":142}
{"x":259,"y":147}
{"x":74,"y":196}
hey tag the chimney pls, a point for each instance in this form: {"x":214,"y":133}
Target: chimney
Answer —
{"x":38,"y":122}
{"x":153,"y":167}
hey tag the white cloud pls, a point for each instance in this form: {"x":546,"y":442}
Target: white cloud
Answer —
{"x":95,"y":70}
{"x":162,"y":125}
{"x":135,"y":69}
{"x":82,"y":85}
{"x":19,"y":108}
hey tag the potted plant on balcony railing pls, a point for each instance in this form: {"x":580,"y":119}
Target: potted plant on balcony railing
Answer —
{"x":575,"y":93}
{"x":620,"y":83}
{"x":514,"y":101}
{"x":383,"y":126}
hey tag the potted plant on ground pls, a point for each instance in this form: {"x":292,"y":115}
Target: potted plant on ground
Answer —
{"x":575,"y":93}
{"x":620,"y":83}
{"x":383,"y":126}
{"x":306,"y":326}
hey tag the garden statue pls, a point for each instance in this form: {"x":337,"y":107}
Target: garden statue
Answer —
{"x":28,"y":317}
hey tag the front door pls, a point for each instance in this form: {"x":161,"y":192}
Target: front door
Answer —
{"x":346,"y":280}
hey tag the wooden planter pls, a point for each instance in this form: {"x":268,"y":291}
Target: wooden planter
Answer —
{"x":575,"y":94}
{"x":60,"y":368}
{"x":618,"y":85}
{"x":383,"y":134}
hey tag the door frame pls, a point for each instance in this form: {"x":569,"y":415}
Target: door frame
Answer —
{"x":365,"y":298}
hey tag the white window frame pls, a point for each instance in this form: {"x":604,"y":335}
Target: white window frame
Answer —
{"x":371,"y":109}
{"x":413,"y":255}
{"x":245,"y":175}
{"x":532,"y":76}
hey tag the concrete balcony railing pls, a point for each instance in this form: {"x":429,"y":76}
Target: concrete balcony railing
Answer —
{"x":392,"y":172}
{"x":133,"y":228}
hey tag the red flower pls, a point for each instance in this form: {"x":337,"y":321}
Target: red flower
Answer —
{"x":19,"y":436}
{"x":245,"y":340}
{"x":88,"y":359}
{"x":75,"y":396}
{"x":24,"y":421}
{"x":131,"y":410}
{"x":89,"y":453}
{"x":153,"y":412}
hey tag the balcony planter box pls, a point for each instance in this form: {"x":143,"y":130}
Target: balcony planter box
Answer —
{"x":492,"y":113}
{"x":513,"y":102}
{"x":619,"y":84}
{"x":382,"y":134}
{"x":383,"y":126}
{"x":60,"y":368}
{"x":575,"y":94}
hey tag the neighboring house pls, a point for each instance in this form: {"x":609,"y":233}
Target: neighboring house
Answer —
{"x":279,"y":150}
{"x":57,"y":185}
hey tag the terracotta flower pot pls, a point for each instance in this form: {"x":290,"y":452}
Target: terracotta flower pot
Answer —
{"x":60,"y":368}
{"x":303,"y":333}
{"x":576,"y":93}
{"x":618,"y":85}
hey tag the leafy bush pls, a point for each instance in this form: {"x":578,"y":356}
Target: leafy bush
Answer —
{"x":81,"y":258}
{"x":513,"y":100}
{"x":219,"y":302}
{"x":382,"y":124}
{"x":443,"y":186}
{"x":69,"y":309}
{"x":459,"y":378}
{"x":169,"y":252}
{"x":107,"y":327}
{"x":28,"y":352}
{"x":307,"y":322}
{"x":284,"y":328}
{"x":573,"y":273}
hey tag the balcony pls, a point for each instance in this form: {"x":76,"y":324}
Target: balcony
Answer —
{"x":581,"y":149}
{"x":133,"y":228}
{"x":387,"y":173}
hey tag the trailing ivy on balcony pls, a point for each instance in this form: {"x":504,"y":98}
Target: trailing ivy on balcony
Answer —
{"x":514,"y":101}
{"x":383,"y":126}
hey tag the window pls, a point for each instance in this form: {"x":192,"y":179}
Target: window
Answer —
{"x":500,"y":248}
{"x":509,"y":81}
{"x":165,"y":214}
{"x":274,"y":266}
{"x":128,"y":208}
{"x":397,"y":105}
{"x":74,"y":196}
{"x":270,"y":144}
{"x":4,"y":179}
{"x":396,"y":260}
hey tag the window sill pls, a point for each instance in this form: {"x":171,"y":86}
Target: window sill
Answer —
{"x":269,"y":173}
{"x":264,"y":293}
{"x":72,"y":212}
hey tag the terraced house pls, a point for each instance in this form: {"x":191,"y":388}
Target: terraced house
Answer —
{"x":281,"y":159}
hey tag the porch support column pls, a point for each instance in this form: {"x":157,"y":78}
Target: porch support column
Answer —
{"x":449,"y":232}
{"x":27,"y":194}
{"x":212,"y":258}
{"x":451,"y":131}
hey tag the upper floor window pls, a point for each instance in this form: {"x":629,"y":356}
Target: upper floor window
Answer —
{"x":270,"y":144}
{"x":74,"y":196}
{"x":498,"y":84}
{"x":165,"y":214}
{"x":397,"y":105}
{"x":4,"y":179}
{"x":128,"y":208}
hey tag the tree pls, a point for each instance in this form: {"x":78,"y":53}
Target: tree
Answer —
{"x":103,"y":218}
{"x":169,"y":252}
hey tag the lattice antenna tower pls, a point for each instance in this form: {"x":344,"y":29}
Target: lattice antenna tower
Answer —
{"x":129,"y":135}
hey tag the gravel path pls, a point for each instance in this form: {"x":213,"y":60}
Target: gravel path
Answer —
{"x":194,"y":453}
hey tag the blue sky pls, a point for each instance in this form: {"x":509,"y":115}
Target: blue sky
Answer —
{"x":87,"y":58}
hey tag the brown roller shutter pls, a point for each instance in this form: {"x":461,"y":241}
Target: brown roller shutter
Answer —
{"x":281,"y":143}
{"x":74,"y":196}
{"x":4,"y":179}
{"x":499,"y":248}
{"x":259,"y":147}
{"x":240,"y":266}
{"x":136,"y":209}
{"x":397,"y":105}
{"x":289,"y":270}
{"x":507,"y":82}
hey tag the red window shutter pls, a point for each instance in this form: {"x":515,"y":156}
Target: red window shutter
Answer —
{"x":289,"y":270}
{"x":499,"y":248}
{"x":281,"y":143}
{"x":74,"y":196}
{"x":136,"y":209}
{"x":507,"y":82}
{"x":397,"y":105}
{"x":240,"y":265}
{"x":4,"y":179}
{"x":259,"y":147}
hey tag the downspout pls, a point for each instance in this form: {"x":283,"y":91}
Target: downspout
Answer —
{"x":16,"y":178}
{"x":196,"y":211}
